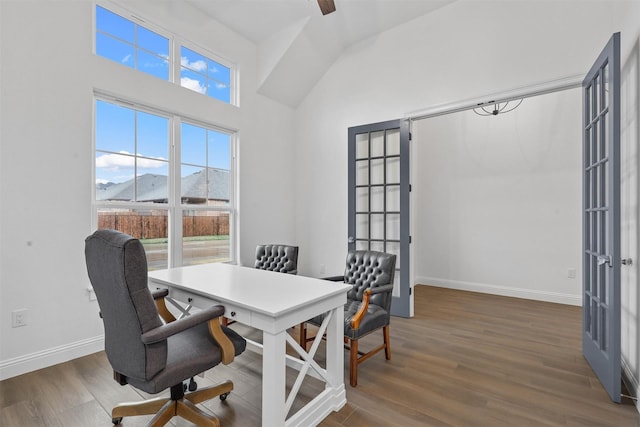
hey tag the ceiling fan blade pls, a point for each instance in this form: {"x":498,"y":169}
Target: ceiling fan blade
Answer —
{"x":327,"y":6}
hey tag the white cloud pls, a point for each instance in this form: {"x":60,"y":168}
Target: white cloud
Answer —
{"x":126,"y":59}
{"x":126,"y":160}
{"x":193,"y":84}
{"x":198,"y":65}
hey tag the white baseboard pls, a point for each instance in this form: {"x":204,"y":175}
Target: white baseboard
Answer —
{"x":532,"y":294}
{"x":49,"y":357}
{"x":631,"y":382}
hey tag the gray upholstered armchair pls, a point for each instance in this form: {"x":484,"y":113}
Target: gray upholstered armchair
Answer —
{"x":145,"y":352}
{"x":280,"y":258}
{"x":368,"y":306}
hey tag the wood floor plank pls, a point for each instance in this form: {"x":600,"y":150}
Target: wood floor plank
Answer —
{"x":464,"y":360}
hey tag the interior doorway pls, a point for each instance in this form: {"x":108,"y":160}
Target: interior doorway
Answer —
{"x":497,"y":199}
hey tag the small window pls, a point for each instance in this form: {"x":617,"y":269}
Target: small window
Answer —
{"x":204,"y":75}
{"x":133,"y":45}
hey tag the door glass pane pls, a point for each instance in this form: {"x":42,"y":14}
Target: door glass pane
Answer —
{"x":377,"y":144}
{"x":596,"y":96}
{"x":393,"y":198}
{"x":377,"y":199}
{"x":393,"y":226}
{"x":394,"y":248}
{"x":393,"y":142}
{"x":362,"y":245}
{"x":396,"y":284}
{"x":362,"y":226}
{"x":362,"y":199}
{"x":605,"y":86}
{"x":377,"y":226}
{"x":603,"y":328}
{"x":362,"y":146}
{"x":377,"y":246}
{"x":377,"y":171}
{"x":393,"y":170}
{"x":603,"y":137}
{"x":362,"y":172}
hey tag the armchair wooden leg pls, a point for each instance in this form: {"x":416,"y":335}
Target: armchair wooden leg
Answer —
{"x":302,"y":337}
{"x":387,"y":342}
{"x":353,"y":363}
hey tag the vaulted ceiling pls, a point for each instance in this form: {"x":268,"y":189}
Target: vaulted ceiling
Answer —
{"x":297,"y":44}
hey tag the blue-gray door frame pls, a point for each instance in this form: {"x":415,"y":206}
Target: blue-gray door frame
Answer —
{"x":601,"y":218}
{"x":401,"y":303}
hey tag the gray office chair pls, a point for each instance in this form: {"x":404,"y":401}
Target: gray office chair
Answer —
{"x":368,"y":306}
{"x":145,"y":352}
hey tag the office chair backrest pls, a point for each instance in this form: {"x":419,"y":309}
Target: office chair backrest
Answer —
{"x":368,"y":269}
{"x":280,"y":258}
{"x":117,"y":267}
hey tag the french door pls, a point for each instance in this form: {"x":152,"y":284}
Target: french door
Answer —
{"x":601,"y":218}
{"x":379,"y":209}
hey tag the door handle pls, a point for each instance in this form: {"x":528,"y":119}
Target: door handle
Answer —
{"x":604,"y":259}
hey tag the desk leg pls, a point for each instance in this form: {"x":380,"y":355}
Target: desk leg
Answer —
{"x":273,"y":379}
{"x":335,"y":353}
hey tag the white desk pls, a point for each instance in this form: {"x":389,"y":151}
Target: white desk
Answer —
{"x":273,"y":302}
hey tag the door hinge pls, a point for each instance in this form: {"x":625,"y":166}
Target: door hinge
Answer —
{"x":410,"y":291}
{"x":409,"y":239}
{"x":410,"y":136}
{"x":410,"y":188}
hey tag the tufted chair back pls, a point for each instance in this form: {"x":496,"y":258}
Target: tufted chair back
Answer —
{"x":117,"y":267}
{"x":368,"y":269}
{"x":280,"y":258}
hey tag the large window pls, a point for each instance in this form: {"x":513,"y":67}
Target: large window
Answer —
{"x":181,"y":218}
{"x":124,"y":41}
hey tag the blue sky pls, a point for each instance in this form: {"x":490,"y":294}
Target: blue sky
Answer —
{"x":132,"y":142}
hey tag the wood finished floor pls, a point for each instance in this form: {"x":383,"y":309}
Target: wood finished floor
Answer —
{"x":465,"y":359}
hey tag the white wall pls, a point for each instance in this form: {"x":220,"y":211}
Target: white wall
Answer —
{"x":498,"y":200}
{"x":48,"y":77}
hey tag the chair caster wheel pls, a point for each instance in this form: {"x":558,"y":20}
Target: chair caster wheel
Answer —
{"x":224,"y":396}
{"x":193,"y":386}
{"x":116,"y":421}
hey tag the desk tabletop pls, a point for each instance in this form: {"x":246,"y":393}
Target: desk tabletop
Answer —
{"x":267,"y":292}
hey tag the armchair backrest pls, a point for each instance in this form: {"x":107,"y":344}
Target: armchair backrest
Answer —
{"x":117,"y":267}
{"x":280,"y":258}
{"x":368,"y":269}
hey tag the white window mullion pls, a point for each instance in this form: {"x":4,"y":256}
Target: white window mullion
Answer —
{"x":175,"y":209}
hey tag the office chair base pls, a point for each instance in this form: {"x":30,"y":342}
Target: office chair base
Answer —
{"x":180,"y":404}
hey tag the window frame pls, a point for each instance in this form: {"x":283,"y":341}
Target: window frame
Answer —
{"x":176,"y":42}
{"x":174,"y":207}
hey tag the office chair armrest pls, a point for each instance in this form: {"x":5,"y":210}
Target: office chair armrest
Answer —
{"x":165,"y":331}
{"x":357,"y":318}
{"x":163,"y":311}
{"x":334,"y":278}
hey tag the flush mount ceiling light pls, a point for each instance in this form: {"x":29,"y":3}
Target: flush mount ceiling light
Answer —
{"x":484,"y":109}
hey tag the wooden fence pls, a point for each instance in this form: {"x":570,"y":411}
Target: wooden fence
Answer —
{"x":155,"y":226}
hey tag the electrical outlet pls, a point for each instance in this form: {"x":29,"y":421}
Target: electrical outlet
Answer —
{"x":19,"y":318}
{"x":321,"y":268}
{"x":92,"y":294}
{"x":571,"y":273}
